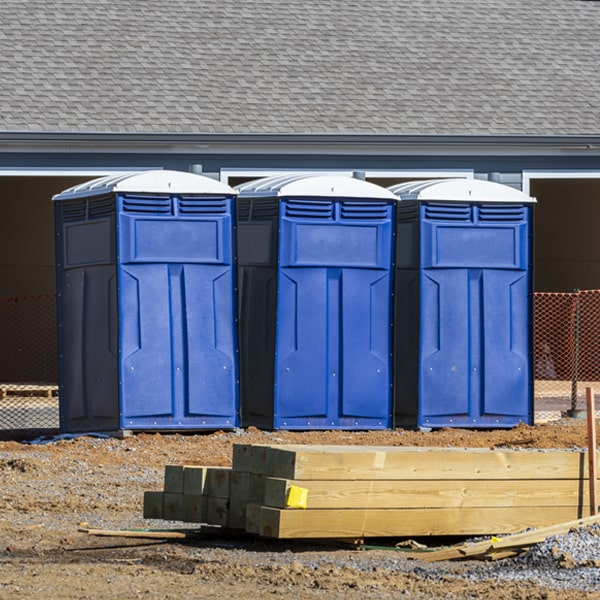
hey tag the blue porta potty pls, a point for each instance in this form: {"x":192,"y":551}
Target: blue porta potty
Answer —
{"x":146,"y":303}
{"x":315,"y":281}
{"x":463,"y":305}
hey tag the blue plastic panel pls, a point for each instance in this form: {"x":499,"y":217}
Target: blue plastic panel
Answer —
{"x":475,"y":364}
{"x":178,"y":342}
{"x":333,"y":340}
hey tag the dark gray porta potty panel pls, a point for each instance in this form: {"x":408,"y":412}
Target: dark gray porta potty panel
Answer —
{"x":316,"y":303}
{"x":148,"y":334}
{"x":463,"y":335}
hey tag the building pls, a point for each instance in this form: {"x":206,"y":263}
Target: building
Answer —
{"x":504,"y":90}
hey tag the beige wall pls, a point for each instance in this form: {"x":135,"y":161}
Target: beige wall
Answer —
{"x":567,"y":234}
{"x":27,"y":233}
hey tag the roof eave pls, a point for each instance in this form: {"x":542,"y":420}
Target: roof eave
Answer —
{"x":299,"y":142}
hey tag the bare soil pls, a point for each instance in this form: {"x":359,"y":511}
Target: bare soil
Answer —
{"x":48,"y":490}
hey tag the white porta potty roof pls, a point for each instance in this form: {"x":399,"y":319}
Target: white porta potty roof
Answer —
{"x":314,"y":185}
{"x":150,"y":182}
{"x":459,"y":190}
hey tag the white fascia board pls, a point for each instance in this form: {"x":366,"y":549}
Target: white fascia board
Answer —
{"x":68,"y":172}
{"x":528,"y":175}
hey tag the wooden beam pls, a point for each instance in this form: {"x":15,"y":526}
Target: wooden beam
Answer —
{"x":217,"y":511}
{"x":429,"y":494}
{"x":343,"y":463}
{"x":326,"y":523}
{"x":194,"y":479}
{"x":217,"y":483}
{"x":172,"y":506}
{"x":153,"y":505}
{"x":193,"y":509}
{"x":592,"y":456}
{"x":173,"y":481}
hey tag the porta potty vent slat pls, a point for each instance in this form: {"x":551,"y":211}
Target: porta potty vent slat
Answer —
{"x":197,"y":205}
{"x":147,"y":204}
{"x":505,"y":213}
{"x":309,"y":209}
{"x":363,"y":210}
{"x":75,"y":210}
{"x":407,"y":211}
{"x":447,"y":212}
{"x":102,"y":207}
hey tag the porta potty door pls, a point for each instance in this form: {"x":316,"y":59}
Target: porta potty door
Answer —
{"x":177,"y":327}
{"x":333,"y":334}
{"x":475,"y":314}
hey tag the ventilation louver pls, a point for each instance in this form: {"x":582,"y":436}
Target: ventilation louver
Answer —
{"x":102,"y":207}
{"x":447,"y":212}
{"x":158,"y":205}
{"x":501,"y":213}
{"x":407,"y":211}
{"x":309,"y":209}
{"x":74,"y":210}
{"x":202,"y":205}
{"x":363,"y":210}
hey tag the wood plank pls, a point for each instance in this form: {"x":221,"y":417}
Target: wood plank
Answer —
{"x":238,"y":499}
{"x":344,"y":462}
{"x":523,"y":540}
{"x":257,"y":488}
{"x":217,"y":482}
{"x":167,"y":535}
{"x":429,"y":494}
{"x":153,"y":505}
{"x":249,"y":458}
{"x":173,"y":481}
{"x":172,"y":506}
{"x":217,"y":511}
{"x":327,"y":523}
{"x":592,"y":454}
{"x":193,"y":509}
{"x":194,"y":478}
{"x":253,"y":512}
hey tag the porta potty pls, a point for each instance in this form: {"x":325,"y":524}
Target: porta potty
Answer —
{"x":315,"y":279}
{"x":463,"y":305}
{"x":146,"y":303}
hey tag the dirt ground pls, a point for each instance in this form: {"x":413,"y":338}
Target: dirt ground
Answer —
{"x":48,"y":489}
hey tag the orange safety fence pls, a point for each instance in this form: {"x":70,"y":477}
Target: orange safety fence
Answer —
{"x":566,"y":345}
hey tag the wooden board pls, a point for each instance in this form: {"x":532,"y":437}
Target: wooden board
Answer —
{"x":194,"y":479}
{"x":352,"y":463}
{"x":315,"y":524}
{"x":217,"y":511}
{"x":153,"y":505}
{"x":173,"y":480}
{"x":430,"y":494}
{"x":193,"y":509}
{"x":518,"y":540}
{"x":172,"y":506}
{"x":28,"y":389}
{"x":217,"y":482}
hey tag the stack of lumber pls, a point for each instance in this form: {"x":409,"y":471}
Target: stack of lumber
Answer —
{"x":355,"y":492}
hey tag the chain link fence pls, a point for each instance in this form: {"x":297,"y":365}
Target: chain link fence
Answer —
{"x":566,"y":348}
{"x":29,"y":366}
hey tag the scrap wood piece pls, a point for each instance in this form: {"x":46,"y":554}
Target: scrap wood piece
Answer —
{"x":179,"y":534}
{"x":512,"y":544}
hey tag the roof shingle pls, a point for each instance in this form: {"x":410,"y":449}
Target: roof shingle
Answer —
{"x":264,"y":66}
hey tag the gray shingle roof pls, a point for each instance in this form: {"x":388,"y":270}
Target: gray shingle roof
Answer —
{"x":316,"y":66}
